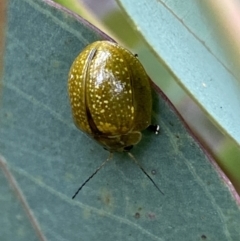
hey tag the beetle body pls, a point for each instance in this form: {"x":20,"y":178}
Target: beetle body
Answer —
{"x":110,"y":95}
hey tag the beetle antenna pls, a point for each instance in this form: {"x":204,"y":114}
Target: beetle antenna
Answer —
{"x":140,"y":166}
{"x":79,"y":189}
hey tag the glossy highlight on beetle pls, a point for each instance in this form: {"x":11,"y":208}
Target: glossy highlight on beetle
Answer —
{"x":110,"y":95}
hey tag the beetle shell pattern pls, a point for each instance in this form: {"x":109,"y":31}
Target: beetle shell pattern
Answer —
{"x":110,"y":95}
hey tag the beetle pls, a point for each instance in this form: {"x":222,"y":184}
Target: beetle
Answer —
{"x":110,"y":97}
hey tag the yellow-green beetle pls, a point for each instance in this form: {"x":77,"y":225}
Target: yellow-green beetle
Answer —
{"x":110,"y":95}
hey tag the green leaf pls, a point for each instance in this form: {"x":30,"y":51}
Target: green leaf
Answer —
{"x":182,"y":38}
{"x":49,"y":158}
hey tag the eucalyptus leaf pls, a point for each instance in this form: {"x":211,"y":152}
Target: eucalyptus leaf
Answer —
{"x":180,"y":35}
{"x":45,"y":158}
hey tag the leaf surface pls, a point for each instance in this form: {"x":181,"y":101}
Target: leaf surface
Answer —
{"x":181,"y":37}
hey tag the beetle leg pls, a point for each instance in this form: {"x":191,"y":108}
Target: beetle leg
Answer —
{"x":154,"y":128}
